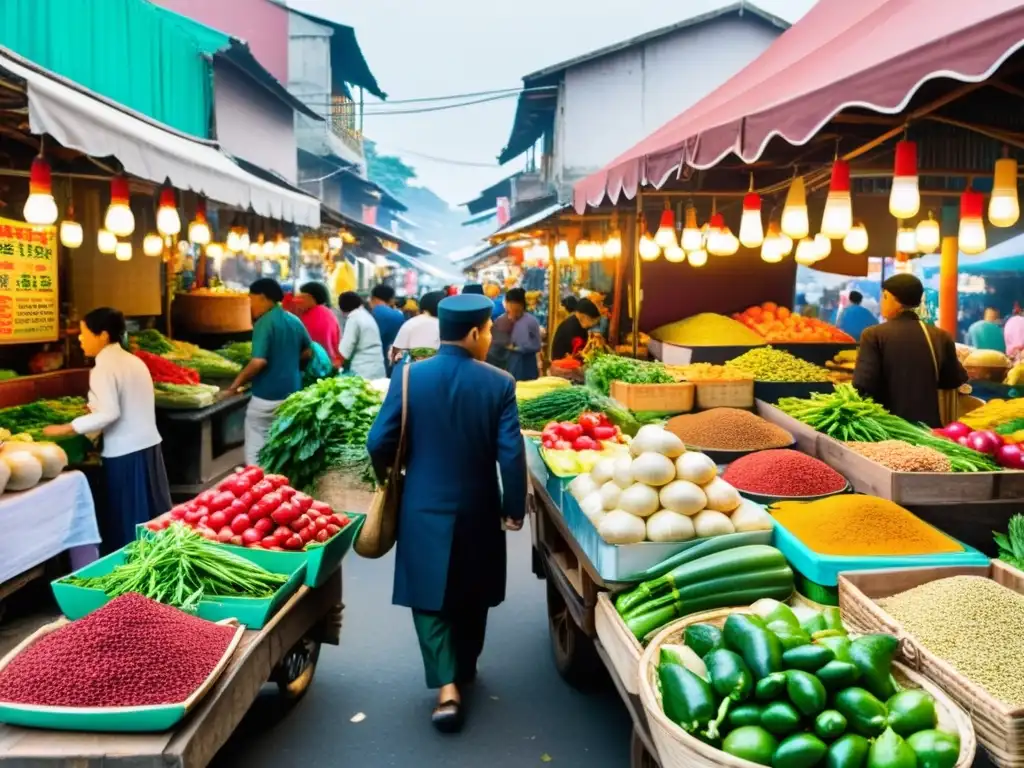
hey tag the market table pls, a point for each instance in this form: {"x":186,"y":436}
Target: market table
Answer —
{"x":56,"y":516}
{"x":202,"y":445}
{"x":573,"y":588}
{"x":285,"y":652}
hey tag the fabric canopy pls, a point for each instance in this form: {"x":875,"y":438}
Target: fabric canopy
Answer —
{"x":90,"y":124}
{"x":872,"y":54}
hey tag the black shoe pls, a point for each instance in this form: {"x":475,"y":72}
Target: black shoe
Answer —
{"x":447,"y":717}
{"x":467,"y":679}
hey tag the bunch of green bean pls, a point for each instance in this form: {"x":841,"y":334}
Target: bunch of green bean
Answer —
{"x":177,"y":566}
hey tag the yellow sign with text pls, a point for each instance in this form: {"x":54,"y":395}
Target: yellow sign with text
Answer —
{"x":28,"y":283}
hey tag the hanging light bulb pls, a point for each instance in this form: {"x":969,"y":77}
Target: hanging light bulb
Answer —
{"x":168,"y":222}
{"x":856,"y":240}
{"x":675,"y":254}
{"x":751,"y":227}
{"x":721,"y":240}
{"x":1003,"y":206}
{"x":199,"y":229}
{"x":649,"y":249}
{"x":771,"y":247}
{"x":119,"y":218}
{"x":972,"y":228}
{"x":806,"y":252}
{"x":728,"y":242}
{"x":927,"y":235}
{"x":543,"y":252}
{"x":70,"y":230}
{"x":838,"y":216}
{"x":582,"y":250}
{"x":282,"y":247}
{"x":905,"y":197}
{"x":215,"y":251}
{"x":613,"y":246}
{"x":153,"y":244}
{"x":40,"y":207}
{"x":245,"y":243}
{"x":255,"y":249}
{"x":794,"y":213}
{"x":268,"y":249}
{"x":823,"y":246}
{"x":123,"y":250}
{"x":666,"y":234}
{"x":234,"y":241}
{"x":106,"y":241}
{"x":692,"y":237}
{"x":561,"y":251}
{"x":697,"y":258}
{"x":785,"y":243}
{"x":906,"y":240}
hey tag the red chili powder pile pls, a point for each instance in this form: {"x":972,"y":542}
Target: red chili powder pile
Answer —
{"x":131,"y":652}
{"x":783,"y":473}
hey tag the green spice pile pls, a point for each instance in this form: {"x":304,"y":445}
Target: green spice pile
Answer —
{"x":973,"y":623}
{"x":845,"y":415}
{"x":769,"y":364}
{"x":608,"y":368}
{"x":179,"y":567}
{"x":322,"y":427}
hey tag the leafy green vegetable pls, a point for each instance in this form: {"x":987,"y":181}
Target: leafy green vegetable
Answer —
{"x":151,"y":340}
{"x":608,"y":368}
{"x":184,"y":395}
{"x":321,"y":427}
{"x":239,"y":352}
{"x":567,"y":404}
{"x":1011,"y":544}
{"x":32,"y":417}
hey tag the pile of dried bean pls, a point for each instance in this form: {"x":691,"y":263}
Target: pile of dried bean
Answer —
{"x":900,"y":456}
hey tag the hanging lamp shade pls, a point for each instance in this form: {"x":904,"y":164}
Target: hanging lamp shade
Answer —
{"x":649,"y":249}
{"x":692,"y":237}
{"x":697,"y":258}
{"x":71,"y":235}
{"x":785,"y":243}
{"x":716,"y":245}
{"x":123,"y":251}
{"x":119,"y":218}
{"x":1004,"y":205}
{"x":806,"y":252}
{"x":153,"y":244}
{"x":905,"y":197}
{"x":906,"y":240}
{"x":751,"y":227}
{"x":928,"y":236}
{"x":106,"y":241}
{"x":666,"y":234}
{"x":40,"y":207}
{"x":199,"y":229}
{"x":675,"y":254}
{"x":771,"y":247}
{"x":794,"y":214}
{"x":822,"y":246}
{"x":856,"y":240}
{"x":972,"y":227}
{"x":838,"y":216}
{"x":168,"y":222}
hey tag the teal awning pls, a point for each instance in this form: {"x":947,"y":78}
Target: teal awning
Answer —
{"x":1006,"y":257}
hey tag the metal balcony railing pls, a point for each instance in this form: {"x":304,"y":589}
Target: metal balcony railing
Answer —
{"x":344,"y":122}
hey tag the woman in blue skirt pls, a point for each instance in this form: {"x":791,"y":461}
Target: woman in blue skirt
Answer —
{"x":121,"y":407}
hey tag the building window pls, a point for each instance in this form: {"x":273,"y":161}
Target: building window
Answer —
{"x":344,"y":121}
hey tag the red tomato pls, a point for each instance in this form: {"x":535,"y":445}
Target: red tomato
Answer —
{"x":193,"y":517}
{"x":605,"y":421}
{"x":153,"y":525}
{"x":321,"y":522}
{"x":277,"y":480}
{"x":236,"y":484}
{"x":570,"y":431}
{"x":178,"y":512}
{"x":282,"y":532}
{"x":260,"y":510}
{"x":287,"y":492}
{"x":204,"y":522}
{"x":235,"y":508}
{"x":237,"y":541}
{"x":589,"y":422}
{"x":247,"y":499}
{"x":341,"y":519}
{"x":270,"y":542}
{"x":294,"y":542}
{"x":264,"y":525}
{"x":217,"y":520}
{"x":204,"y":498}
{"x":332,"y":529}
{"x":322,"y":536}
{"x":225,"y":534}
{"x":240,"y":523}
{"x":251,"y":536}
{"x":261,"y":489}
{"x":285,"y":514}
{"x":302,"y":521}
{"x":320,"y":508}
{"x":549,"y":443}
{"x":563,"y":445}
{"x":303,"y":502}
{"x":585,"y":443}
{"x":604,"y":433}
{"x":307,"y":533}
{"x":273,"y":500}
{"x":206,"y":533}
{"x":255,"y":474}
{"x":221,"y":501}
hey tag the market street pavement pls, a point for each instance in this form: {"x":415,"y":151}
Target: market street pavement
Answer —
{"x":522,"y":712}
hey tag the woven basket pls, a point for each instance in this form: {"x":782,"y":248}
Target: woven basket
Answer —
{"x":1000,"y":727}
{"x":343,"y":491}
{"x":678,"y":749}
{"x":725,"y":394}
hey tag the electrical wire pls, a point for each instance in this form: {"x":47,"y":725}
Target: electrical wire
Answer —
{"x":443,"y":160}
{"x":382,"y":108}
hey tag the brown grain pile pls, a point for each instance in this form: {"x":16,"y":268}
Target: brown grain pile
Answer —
{"x":900,"y":456}
{"x":728,"y":429}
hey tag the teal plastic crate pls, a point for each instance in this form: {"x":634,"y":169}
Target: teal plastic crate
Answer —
{"x":76,"y":602}
{"x":825,"y":569}
{"x":321,"y":560}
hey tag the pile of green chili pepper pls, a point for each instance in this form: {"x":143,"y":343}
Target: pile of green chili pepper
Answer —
{"x":178,"y":567}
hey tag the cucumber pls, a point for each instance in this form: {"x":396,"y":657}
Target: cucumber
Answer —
{"x":696,"y":552}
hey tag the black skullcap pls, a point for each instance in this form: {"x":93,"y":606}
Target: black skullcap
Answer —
{"x":906,"y":288}
{"x":473,"y":288}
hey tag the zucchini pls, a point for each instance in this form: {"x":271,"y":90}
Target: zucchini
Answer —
{"x":697,"y":551}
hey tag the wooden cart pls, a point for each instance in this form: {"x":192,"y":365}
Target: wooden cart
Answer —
{"x":285,"y":653}
{"x":573,"y":585}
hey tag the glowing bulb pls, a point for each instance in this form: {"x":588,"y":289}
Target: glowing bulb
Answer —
{"x":972,"y":228}
{"x":255,"y":250}
{"x":927,"y":236}
{"x":334,"y":243}
{"x":582,"y":250}
{"x":106,"y":241}
{"x":693,"y":238}
{"x":856,"y":240}
{"x":282,"y":247}
{"x":771,"y":248}
{"x":268,"y":249}
{"x":751,"y":228}
{"x":561,"y":251}
{"x":215,"y":251}
{"x":613,"y":246}
{"x":119,"y":218}
{"x":649,"y":249}
{"x":40,"y":210}
{"x":905,"y":196}
{"x":697,"y":258}
{"x":823,"y":246}
{"x":906,"y":240}
{"x":794,"y":214}
{"x":1003,"y":206}
{"x":168,"y":222}
{"x":234,"y":241}
{"x":123,"y":251}
{"x":675,"y":254}
{"x":199,"y":232}
{"x":785,"y":243}
{"x":838,"y":215}
{"x":806,"y":252}
{"x":666,"y":234}
{"x":71,"y":233}
{"x":153,"y":244}
{"x":244,"y":242}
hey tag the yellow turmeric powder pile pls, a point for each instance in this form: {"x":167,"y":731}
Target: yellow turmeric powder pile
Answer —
{"x":851,"y":524}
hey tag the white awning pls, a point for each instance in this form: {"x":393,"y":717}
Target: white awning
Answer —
{"x":82,"y":120}
{"x":514,"y":227}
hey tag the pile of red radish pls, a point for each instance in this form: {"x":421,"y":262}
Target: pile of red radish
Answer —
{"x":587,"y":433}
{"x":248,"y":509}
{"x":1009,"y":455}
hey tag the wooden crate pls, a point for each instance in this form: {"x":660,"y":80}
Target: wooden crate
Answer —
{"x":738,"y":393}
{"x":623,"y":649}
{"x":672,"y":398}
{"x":999,"y":727}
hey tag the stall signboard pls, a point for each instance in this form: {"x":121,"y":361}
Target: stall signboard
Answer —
{"x":28,"y":283}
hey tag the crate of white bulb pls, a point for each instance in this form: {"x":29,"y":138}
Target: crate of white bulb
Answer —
{"x":631,"y":512}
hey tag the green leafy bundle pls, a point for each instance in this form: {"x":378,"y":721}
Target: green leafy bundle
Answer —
{"x":322,"y":427}
{"x":32,"y":417}
{"x":608,"y":368}
{"x":151,"y":340}
{"x":239,"y":352}
{"x":1011,"y":544}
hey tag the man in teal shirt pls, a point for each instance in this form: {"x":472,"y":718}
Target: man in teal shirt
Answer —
{"x":987,"y":333}
{"x":280,"y":348}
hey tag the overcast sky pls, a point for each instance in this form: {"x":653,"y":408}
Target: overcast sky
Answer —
{"x":423,"y":48}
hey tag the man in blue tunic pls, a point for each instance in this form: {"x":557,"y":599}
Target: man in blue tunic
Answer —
{"x":461,"y":424}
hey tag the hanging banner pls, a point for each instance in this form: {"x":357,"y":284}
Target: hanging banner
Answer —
{"x":28,"y":283}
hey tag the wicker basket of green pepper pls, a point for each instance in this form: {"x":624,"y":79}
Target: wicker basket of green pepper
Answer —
{"x":772,"y":685}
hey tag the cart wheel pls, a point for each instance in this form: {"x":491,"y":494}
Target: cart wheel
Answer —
{"x":537,"y":561}
{"x":639,"y":757}
{"x":575,"y":657}
{"x":294,"y":672}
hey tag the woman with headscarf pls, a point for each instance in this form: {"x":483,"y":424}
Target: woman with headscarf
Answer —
{"x":314,"y":305}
